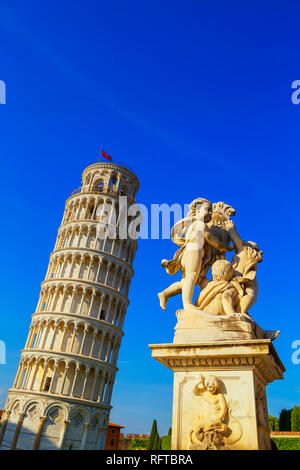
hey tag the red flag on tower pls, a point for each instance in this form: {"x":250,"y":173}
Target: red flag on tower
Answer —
{"x":105,"y":155}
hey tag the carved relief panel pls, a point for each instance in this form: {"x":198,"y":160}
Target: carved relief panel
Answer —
{"x":214,"y":411}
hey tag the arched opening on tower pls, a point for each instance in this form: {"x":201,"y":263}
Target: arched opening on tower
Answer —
{"x":98,"y":185}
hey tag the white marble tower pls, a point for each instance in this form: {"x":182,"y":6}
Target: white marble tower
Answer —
{"x":61,"y":395}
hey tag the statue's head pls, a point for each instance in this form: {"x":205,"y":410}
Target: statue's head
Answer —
{"x":257,"y":251}
{"x":201,"y":208}
{"x":222,"y":270}
{"x":211,"y":383}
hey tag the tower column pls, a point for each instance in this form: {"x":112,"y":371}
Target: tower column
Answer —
{"x":17,"y":431}
{"x":64,"y":429}
{"x":39,"y":431}
{"x":84,"y":437}
{"x":4,"y":421}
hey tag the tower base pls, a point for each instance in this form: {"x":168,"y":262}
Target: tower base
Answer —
{"x":219,"y":394}
{"x":36,"y":421}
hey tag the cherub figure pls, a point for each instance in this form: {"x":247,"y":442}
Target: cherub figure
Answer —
{"x":192,"y":234}
{"x":244,"y":262}
{"x":209,"y":429}
{"x":222,"y":295}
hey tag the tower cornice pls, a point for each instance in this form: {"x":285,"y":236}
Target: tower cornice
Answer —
{"x":94,"y":322}
{"x":81,"y":282}
{"x":89,"y":251}
{"x":80,"y":358}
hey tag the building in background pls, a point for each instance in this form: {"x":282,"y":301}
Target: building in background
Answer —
{"x":113,"y":436}
{"x":61,"y":395}
{"x":125,"y":442}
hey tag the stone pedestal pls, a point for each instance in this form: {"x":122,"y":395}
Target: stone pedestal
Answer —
{"x":236,"y":415}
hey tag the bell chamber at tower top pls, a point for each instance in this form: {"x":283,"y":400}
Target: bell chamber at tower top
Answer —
{"x":107,"y":193}
{"x":109,"y":178}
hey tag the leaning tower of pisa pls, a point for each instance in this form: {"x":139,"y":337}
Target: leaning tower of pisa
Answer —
{"x":61,"y":395}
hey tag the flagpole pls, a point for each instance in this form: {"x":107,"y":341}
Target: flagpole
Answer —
{"x":99,"y":154}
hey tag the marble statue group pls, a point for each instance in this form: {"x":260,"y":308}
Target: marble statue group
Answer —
{"x":204,"y":237}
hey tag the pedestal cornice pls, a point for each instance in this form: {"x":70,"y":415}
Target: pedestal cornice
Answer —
{"x":255,"y":354}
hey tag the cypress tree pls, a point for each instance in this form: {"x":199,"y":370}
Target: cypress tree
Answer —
{"x":295,"y":418}
{"x":285,"y":420}
{"x":156,"y":442}
{"x":152,"y":435}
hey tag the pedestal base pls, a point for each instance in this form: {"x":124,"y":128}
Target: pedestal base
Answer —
{"x":234,"y":416}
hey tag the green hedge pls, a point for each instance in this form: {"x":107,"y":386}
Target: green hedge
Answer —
{"x":282,"y":443}
{"x":139,"y":443}
{"x":287,"y":443}
{"x":166,"y":443}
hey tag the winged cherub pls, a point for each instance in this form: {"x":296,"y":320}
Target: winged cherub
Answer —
{"x":191,"y":234}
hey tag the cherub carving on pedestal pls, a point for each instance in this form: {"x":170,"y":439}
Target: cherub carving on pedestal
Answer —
{"x":214,"y":427}
{"x":209,"y":429}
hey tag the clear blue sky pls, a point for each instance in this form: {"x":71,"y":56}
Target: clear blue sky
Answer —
{"x":195,"y":96}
